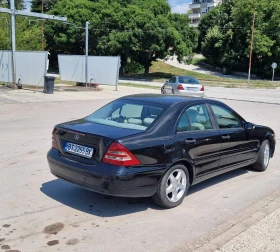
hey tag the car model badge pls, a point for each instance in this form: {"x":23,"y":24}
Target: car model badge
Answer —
{"x":76,"y":137}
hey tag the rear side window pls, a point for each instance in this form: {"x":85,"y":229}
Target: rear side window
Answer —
{"x":195,"y":118}
{"x":129,"y":110}
{"x":127,"y":114}
{"x":172,"y":80}
{"x":183,"y":124}
{"x":226,"y":118}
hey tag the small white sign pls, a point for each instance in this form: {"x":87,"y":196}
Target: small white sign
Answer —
{"x":274,"y":65}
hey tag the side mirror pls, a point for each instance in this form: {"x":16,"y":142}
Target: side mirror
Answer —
{"x":249,"y":126}
{"x":166,"y":82}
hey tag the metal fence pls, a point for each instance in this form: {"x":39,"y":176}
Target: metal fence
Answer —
{"x":31,"y":67}
{"x":101,"y":70}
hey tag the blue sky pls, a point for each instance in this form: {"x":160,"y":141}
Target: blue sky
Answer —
{"x":179,"y":6}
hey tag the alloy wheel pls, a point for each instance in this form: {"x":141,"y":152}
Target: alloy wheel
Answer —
{"x":176,"y":185}
{"x":266,"y":155}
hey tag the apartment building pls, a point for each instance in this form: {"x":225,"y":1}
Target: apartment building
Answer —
{"x":199,"y":8}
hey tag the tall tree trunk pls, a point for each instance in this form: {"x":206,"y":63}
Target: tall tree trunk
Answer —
{"x":123,"y":65}
{"x":147,"y":69}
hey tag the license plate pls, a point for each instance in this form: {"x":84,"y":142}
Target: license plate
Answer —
{"x":79,"y":150}
{"x":192,"y":89}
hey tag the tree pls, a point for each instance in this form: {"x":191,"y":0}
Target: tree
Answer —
{"x":36,"y":5}
{"x":266,"y":37}
{"x":211,"y":47}
{"x":139,"y":30}
{"x":19,"y":4}
{"x":227,"y":42}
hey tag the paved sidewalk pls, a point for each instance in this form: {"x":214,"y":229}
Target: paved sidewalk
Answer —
{"x":256,"y":229}
{"x":262,"y":237}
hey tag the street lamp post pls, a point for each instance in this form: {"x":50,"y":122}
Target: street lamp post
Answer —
{"x":252,"y":43}
{"x":86,"y":51}
{"x":86,"y":28}
{"x":7,"y":32}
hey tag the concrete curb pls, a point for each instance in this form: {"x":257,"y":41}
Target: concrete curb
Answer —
{"x":234,"y":226}
{"x":232,"y":99}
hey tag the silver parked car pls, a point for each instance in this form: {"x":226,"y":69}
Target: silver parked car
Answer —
{"x":183,"y":85}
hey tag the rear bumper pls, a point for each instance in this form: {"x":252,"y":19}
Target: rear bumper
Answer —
{"x":190,"y":93}
{"x":106,"y":179}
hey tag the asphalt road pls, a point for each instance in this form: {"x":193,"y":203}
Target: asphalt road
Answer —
{"x":271,"y":96}
{"x":40,"y":213}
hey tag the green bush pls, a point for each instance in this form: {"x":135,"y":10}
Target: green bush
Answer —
{"x":134,"y":68}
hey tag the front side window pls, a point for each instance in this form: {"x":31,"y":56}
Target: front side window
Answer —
{"x":226,"y":118}
{"x":127,"y":114}
{"x":195,"y":118}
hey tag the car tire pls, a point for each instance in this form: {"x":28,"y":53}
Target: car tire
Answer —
{"x":177,"y":189}
{"x":162,"y":91}
{"x":173,"y":91}
{"x":263,"y":157}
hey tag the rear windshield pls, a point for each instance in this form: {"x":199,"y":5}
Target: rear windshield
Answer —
{"x":188,"y":80}
{"x":127,"y":115}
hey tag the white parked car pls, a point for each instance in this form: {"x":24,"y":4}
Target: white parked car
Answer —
{"x":183,"y":85}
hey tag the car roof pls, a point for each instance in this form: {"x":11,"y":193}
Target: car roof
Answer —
{"x":163,"y":99}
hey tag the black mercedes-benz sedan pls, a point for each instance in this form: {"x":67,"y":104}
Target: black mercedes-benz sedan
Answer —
{"x":157,"y":146}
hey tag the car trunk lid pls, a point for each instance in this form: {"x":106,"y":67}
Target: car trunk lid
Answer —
{"x":90,"y":135}
{"x":192,"y":87}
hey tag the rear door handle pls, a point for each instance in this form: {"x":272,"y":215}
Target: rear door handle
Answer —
{"x":190,"y":141}
{"x":169,"y":150}
{"x":225,"y":137}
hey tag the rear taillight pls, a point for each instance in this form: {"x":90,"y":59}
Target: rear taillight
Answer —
{"x":180,"y":87}
{"x":202,"y":88}
{"x":120,"y":156}
{"x":54,"y":143}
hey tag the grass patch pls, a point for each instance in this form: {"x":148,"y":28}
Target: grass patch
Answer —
{"x":160,"y":72}
{"x":197,"y":61}
{"x":139,"y":85}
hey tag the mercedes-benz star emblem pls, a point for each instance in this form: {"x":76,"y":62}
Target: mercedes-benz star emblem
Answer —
{"x":76,"y":137}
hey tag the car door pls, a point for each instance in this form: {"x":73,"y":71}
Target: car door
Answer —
{"x":172,"y":82}
{"x":167,"y":86}
{"x":236,"y":145}
{"x":198,"y":140}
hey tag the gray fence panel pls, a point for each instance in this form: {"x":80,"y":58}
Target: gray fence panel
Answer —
{"x":102,"y":70}
{"x":72,"y":68}
{"x":31,"y":68}
{"x":6,"y":74}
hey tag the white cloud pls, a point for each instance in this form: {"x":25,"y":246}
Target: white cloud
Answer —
{"x":180,"y":8}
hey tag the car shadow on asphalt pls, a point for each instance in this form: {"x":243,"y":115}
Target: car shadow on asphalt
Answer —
{"x":107,"y":206}
{"x":219,"y":179}
{"x":94,"y":203}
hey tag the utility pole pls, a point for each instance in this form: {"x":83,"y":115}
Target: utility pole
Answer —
{"x":43,"y":28}
{"x":252,"y":43}
{"x":13,"y":23}
{"x":86,"y":47}
{"x":13,"y":12}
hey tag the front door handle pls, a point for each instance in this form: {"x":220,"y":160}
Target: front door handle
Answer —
{"x":190,"y":141}
{"x":225,"y":137}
